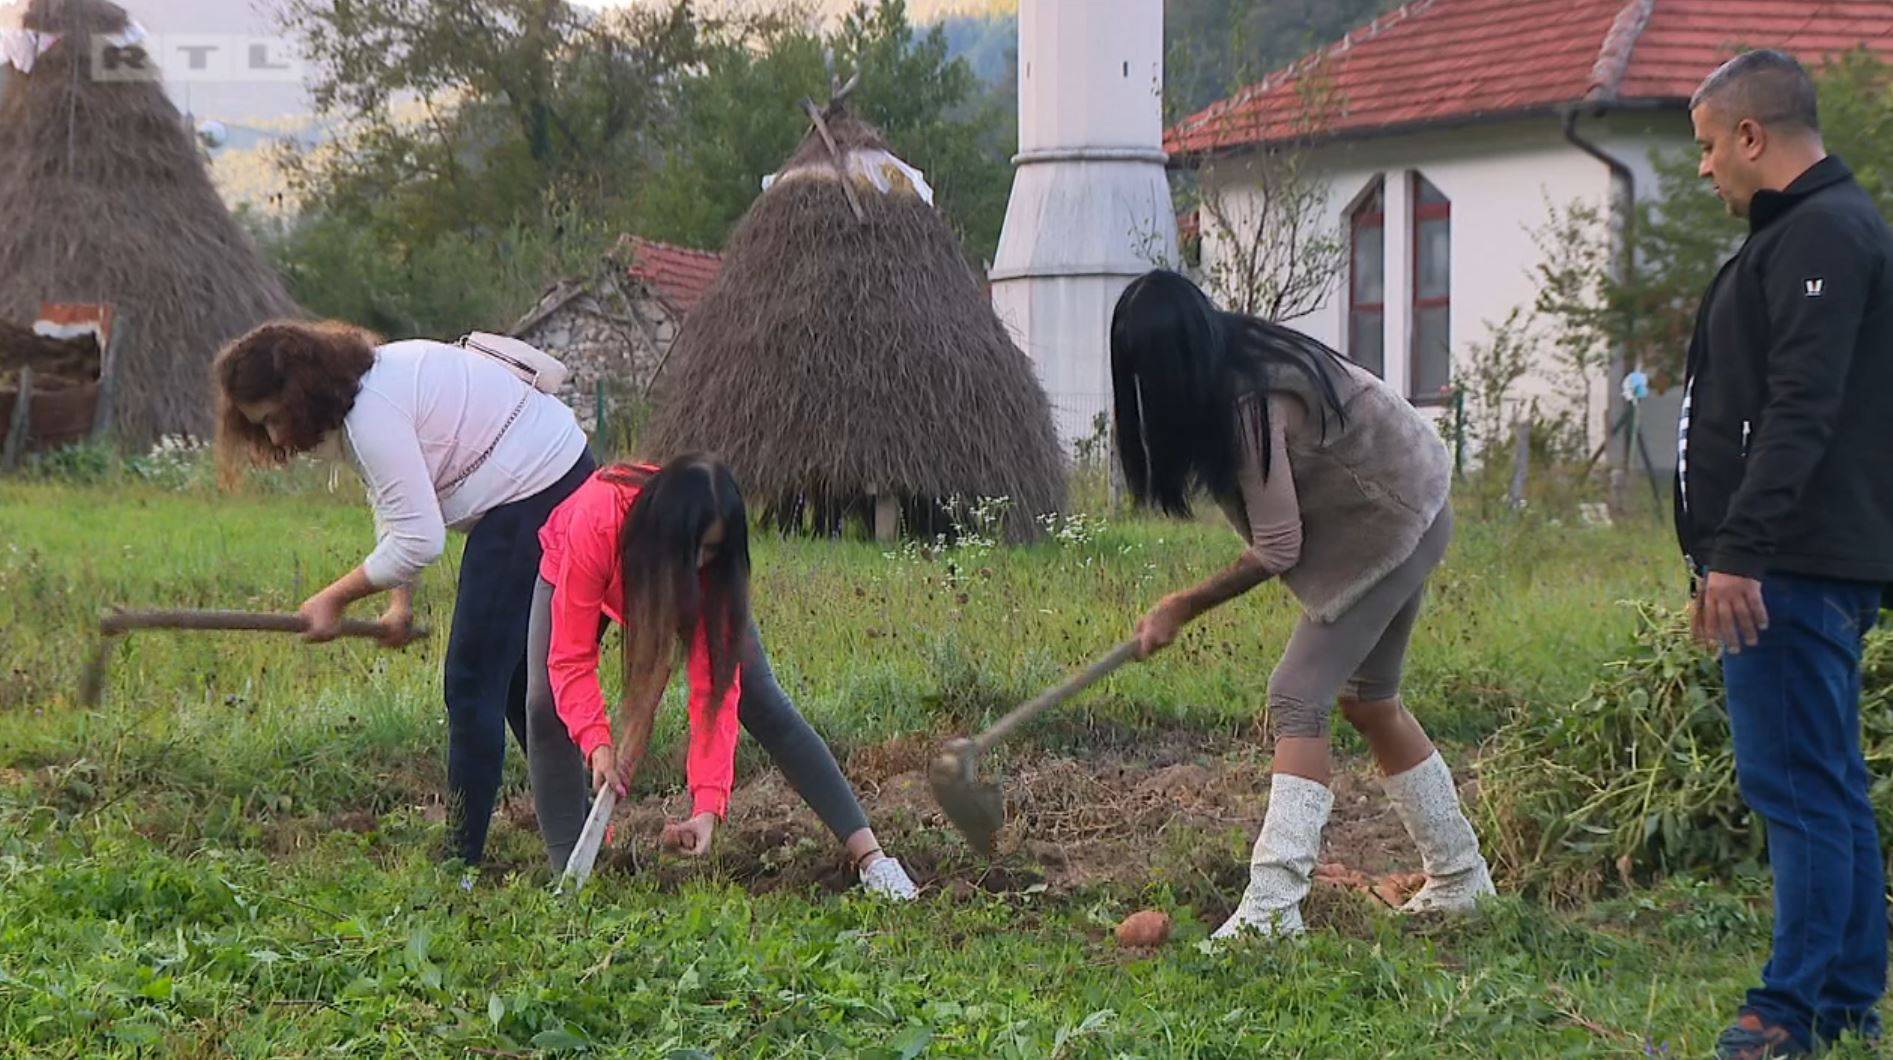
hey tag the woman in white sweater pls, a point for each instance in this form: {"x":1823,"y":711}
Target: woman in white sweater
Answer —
{"x":443,"y":437}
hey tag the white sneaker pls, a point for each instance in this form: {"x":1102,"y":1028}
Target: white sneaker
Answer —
{"x":884,"y":878}
{"x":1283,"y":861}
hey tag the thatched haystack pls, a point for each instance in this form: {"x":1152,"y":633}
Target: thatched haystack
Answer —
{"x":104,"y":198}
{"x":836,"y":360}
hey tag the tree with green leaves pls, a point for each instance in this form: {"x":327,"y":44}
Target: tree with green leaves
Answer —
{"x":455,"y":114}
{"x":738,"y":119}
{"x":488,"y":146}
{"x":1269,"y":247}
{"x":1682,"y":235}
{"x":1216,"y":47}
{"x":477,"y":144}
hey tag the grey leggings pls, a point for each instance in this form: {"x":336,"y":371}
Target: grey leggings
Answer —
{"x":1361,"y":653}
{"x":561,"y":782}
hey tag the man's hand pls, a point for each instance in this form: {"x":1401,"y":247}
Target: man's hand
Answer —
{"x":604,"y":765}
{"x":1728,"y":613}
{"x":690,"y":838}
{"x":1158,"y":629}
{"x":323,"y":613}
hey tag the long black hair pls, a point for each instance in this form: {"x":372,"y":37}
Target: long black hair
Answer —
{"x":1179,"y":368}
{"x":667,"y":597}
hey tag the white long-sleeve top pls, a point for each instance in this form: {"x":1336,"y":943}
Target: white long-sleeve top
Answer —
{"x":425,"y":413}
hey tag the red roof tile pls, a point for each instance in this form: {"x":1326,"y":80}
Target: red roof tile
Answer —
{"x":678,"y":275}
{"x":1453,"y":60}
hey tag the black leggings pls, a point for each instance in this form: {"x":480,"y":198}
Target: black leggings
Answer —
{"x":561,"y":782}
{"x":485,"y":678}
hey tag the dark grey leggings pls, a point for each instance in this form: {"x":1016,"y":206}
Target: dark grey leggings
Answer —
{"x":1362,"y":652}
{"x":561,"y":782}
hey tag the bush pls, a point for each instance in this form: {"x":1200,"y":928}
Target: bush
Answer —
{"x":1638,"y":777}
{"x":177,"y":464}
{"x":439,"y":285}
{"x":79,"y":464}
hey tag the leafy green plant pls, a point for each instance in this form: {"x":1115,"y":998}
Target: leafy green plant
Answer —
{"x":1638,"y":777}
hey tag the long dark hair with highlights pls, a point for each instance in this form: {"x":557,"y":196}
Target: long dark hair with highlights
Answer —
{"x":667,"y":597}
{"x":314,"y":369}
{"x":1179,"y":369}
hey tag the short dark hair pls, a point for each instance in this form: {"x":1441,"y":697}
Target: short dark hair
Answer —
{"x":1768,"y":86}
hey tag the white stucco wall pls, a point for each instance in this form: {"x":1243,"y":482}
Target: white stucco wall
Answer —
{"x":1090,"y":207}
{"x":1501,"y":180}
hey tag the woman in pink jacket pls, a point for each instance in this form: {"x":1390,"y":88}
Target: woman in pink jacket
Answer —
{"x":665,"y":553}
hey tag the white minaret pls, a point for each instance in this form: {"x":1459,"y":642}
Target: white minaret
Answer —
{"x":1090,"y":206}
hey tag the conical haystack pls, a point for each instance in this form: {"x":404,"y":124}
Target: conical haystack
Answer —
{"x":104,"y":198}
{"x":838,"y":360}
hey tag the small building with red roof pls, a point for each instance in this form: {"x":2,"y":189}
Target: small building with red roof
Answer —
{"x":614,"y":328}
{"x":1446,"y":131}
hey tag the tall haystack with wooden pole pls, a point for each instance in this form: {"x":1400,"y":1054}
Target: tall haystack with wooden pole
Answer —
{"x":104,"y":198}
{"x":847,"y":361}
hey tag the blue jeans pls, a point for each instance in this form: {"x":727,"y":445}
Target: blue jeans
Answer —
{"x":484,"y":681}
{"x":1794,"y":708}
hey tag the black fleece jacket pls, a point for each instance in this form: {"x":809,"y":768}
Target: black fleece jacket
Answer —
{"x":1788,"y":448}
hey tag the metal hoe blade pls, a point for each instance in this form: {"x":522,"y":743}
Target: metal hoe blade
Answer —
{"x":578,"y":868}
{"x":976,"y":807}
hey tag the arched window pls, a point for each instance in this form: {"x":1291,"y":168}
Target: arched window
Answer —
{"x":1367,"y":280}
{"x":1432,"y":354}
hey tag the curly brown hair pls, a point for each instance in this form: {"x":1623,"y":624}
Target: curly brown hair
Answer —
{"x":313,"y":369}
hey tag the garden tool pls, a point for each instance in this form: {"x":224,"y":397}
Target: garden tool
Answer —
{"x":115,"y":623}
{"x":978,"y":807}
{"x":578,"y":868}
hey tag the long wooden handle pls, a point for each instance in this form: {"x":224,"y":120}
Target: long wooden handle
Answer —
{"x":1052,"y":697}
{"x":240,"y":621}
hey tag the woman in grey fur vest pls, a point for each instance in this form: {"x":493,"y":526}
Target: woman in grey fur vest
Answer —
{"x":1340,"y":489}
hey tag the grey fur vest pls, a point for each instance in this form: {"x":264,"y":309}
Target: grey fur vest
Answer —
{"x":1368,"y":487}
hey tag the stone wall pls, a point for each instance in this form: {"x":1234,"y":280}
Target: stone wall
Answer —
{"x":604,"y":335}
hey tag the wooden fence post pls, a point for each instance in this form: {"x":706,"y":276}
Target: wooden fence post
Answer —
{"x":1521,"y":464}
{"x":108,"y":376}
{"x":886,"y":518}
{"x":16,"y":437}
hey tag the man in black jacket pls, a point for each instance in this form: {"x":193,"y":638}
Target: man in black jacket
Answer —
{"x":1784,"y":507}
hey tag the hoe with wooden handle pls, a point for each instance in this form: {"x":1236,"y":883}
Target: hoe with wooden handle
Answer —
{"x":978,"y":807}
{"x":115,"y":624}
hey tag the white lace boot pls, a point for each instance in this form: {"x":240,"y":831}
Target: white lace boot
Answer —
{"x":1428,"y":804}
{"x":1283,"y":860}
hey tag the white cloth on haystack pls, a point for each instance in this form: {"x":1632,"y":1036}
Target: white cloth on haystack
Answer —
{"x":21,"y":48}
{"x":888,"y":174}
{"x":53,"y":329}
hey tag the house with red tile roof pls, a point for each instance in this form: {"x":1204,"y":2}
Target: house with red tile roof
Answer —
{"x":614,"y":328}
{"x":1446,"y":131}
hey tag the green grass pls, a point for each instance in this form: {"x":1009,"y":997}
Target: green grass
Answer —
{"x":145,"y":908}
{"x":871,"y":647}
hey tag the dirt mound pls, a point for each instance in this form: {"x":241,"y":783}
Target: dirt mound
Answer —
{"x":1177,"y":816}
